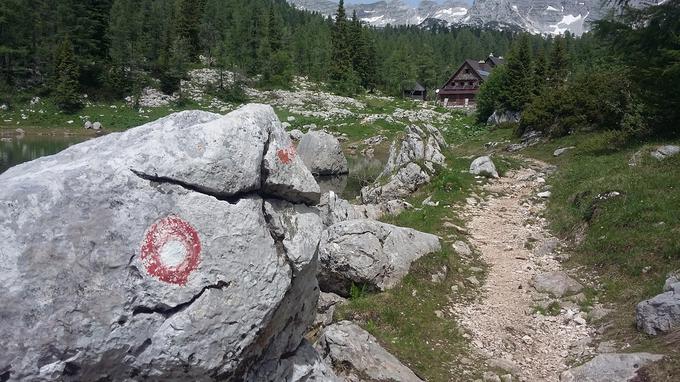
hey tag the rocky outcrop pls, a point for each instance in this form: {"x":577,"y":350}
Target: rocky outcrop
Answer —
{"x":558,"y":284}
{"x":178,"y":250}
{"x":663,"y":152}
{"x":610,"y":368}
{"x":356,"y":355}
{"x":562,"y":151}
{"x":411,"y":164}
{"x":369,"y":253}
{"x":660,"y":314}
{"x":484,"y":166}
{"x":326,"y":308}
{"x":500,"y":117}
{"x":322,"y":154}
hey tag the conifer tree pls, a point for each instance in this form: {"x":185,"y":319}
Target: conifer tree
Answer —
{"x":518,"y":88}
{"x":342,"y":76}
{"x":540,"y":72}
{"x":67,"y":86}
{"x":559,"y":62}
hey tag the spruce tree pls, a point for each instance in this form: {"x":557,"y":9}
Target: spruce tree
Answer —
{"x":559,"y":62}
{"x":66,"y":90}
{"x":518,"y":88}
{"x":540,"y":72}
{"x":342,"y":76}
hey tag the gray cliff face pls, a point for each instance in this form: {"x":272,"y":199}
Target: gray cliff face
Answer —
{"x":540,"y":16}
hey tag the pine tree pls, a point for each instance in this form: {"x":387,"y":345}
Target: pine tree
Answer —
{"x":540,"y":72}
{"x":518,"y":88}
{"x":342,"y":76}
{"x":559,"y":62}
{"x":66,"y":90}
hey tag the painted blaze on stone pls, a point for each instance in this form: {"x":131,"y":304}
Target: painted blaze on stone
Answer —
{"x":286,"y":155}
{"x":171,"y":250}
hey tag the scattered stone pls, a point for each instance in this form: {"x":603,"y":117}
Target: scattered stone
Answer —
{"x":295,"y":134}
{"x":663,"y":152}
{"x":660,"y":314}
{"x":97,"y":126}
{"x":290,"y":118}
{"x":322,"y":154}
{"x":547,"y":248}
{"x":610,"y":368}
{"x":490,"y":376}
{"x":506,"y":378}
{"x":504,"y":364}
{"x":428,"y":202}
{"x":563,"y":150}
{"x":4,"y":107}
{"x":472,"y":280}
{"x":358,"y":356}
{"x":87,"y":125}
{"x":483,"y":166}
{"x":155,"y":275}
{"x":461,"y":248}
{"x":370,"y":253}
{"x":325,"y":308}
{"x":545,"y":194}
{"x":598,"y":313}
{"x":558,"y":284}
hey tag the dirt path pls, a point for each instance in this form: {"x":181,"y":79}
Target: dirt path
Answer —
{"x":502,"y":323}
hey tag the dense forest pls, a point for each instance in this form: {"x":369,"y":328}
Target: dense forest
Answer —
{"x":621,"y":78}
{"x":109,"y":49}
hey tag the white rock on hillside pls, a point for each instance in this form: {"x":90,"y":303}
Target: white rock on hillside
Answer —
{"x":558,"y":284}
{"x":483,"y":166}
{"x":610,"y":368}
{"x":322,"y":154}
{"x":168,"y":268}
{"x":370,"y":253}
{"x":359,"y":356}
{"x":660,"y":314}
{"x":663,"y":152}
{"x":411,"y":164}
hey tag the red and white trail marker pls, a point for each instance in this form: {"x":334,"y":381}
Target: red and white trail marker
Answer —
{"x":171,"y":250}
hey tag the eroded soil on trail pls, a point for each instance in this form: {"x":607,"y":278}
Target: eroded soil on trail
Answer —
{"x":503,"y":324}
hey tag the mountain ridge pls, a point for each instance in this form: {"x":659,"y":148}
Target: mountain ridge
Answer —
{"x":549,"y":17}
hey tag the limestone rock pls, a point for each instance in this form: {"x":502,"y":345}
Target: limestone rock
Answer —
{"x":558,"y":284}
{"x":295,"y":134}
{"x":326,"y":308}
{"x":563,"y":150}
{"x":411,"y":164}
{"x":660,"y":314}
{"x":610,"y":367}
{"x":334,"y":209}
{"x":358,"y":355}
{"x":663,"y":152}
{"x":406,"y":181}
{"x":322,"y":153}
{"x":498,"y":117}
{"x":483,"y":166}
{"x":371,"y":253}
{"x":152,"y":255}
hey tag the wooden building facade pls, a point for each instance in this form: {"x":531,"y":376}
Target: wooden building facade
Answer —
{"x":462,"y":88}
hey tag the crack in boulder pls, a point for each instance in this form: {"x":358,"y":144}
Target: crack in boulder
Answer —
{"x":168,"y":312}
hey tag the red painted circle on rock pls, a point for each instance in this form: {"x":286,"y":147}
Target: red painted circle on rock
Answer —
{"x":171,"y":250}
{"x":286,"y":155}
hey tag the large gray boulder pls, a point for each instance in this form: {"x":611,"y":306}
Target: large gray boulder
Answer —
{"x":500,"y":117}
{"x":610,"y":368}
{"x":558,"y":284}
{"x":322,"y":154}
{"x":660,"y":314}
{"x":153,"y":255}
{"x":356,"y":355}
{"x":667,"y":151}
{"x":411,"y":164}
{"x":370,"y":253}
{"x":483,"y":166}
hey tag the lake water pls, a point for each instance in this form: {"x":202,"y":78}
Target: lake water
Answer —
{"x":19,"y":149}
